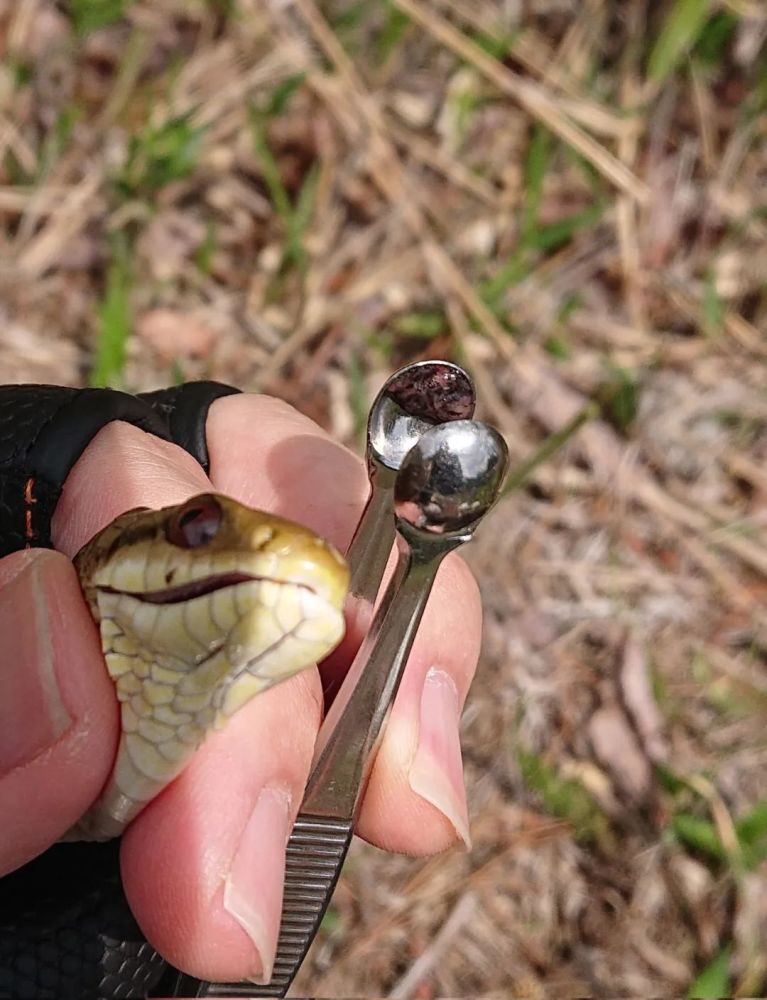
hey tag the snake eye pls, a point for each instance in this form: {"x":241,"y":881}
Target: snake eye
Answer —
{"x":195,"y":524}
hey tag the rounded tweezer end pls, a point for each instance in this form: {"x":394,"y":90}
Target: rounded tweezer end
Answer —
{"x":451,"y":477}
{"x":415,"y":398}
{"x":438,"y":391}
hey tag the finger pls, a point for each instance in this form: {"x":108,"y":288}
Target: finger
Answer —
{"x":415,"y":801}
{"x":121,"y":468}
{"x":266,"y":454}
{"x":204,"y":863}
{"x":209,"y":906}
{"x":58,"y":716}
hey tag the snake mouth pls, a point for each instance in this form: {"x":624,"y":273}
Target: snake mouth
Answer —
{"x":194,"y":588}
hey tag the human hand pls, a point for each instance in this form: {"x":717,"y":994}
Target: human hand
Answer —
{"x":203,"y":864}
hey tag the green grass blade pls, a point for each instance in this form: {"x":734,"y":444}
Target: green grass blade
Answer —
{"x":114,"y":321}
{"x":565,"y":798}
{"x":679,"y":33}
{"x":295,"y":219}
{"x":272,"y":178}
{"x":395,"y":22}
{"x":549,"y":447}
{"x":619,"y":397}
{"x":714,"y":980}
{"x":713,"y":312}
{"x":89,"y":15}
{"x":715,"y":37}
{"x":496,"y":45}
{"x":510,"y":273}
{"x":553,"y":235}
{"x":752,"y":835}
{"x":301,"y":218}
{"x":162,"y":154}
{"x":421,"y":325}
{"x":282,"y":93}
{"x":357,"y":399}
{"x":208,"y":247}
{"x":538,"y":156}
{"x":700,"y":834}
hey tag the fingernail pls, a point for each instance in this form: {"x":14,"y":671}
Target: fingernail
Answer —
{"x":436,"y":773}
{"x":253,"y":889}
{"x":32,"y":712}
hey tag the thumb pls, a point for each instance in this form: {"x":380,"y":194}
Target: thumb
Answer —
{"x":58,"y":715}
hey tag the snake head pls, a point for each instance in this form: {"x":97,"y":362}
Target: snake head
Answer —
{"x":216,"y":593}
{"x":200,"y":607}
{"x":212,"y":576}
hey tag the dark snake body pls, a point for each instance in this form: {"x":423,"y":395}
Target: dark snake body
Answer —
{"x":65,"y":927}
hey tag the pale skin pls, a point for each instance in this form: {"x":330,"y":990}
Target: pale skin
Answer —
{"x":244,"y":786}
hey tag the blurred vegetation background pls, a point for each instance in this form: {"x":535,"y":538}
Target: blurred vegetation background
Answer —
{"x":569,"y":198}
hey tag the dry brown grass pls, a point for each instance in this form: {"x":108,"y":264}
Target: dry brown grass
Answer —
{"x":507,"y":185}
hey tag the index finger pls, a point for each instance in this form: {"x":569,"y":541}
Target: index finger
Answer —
{"x":415,"y":802}
{"x":204,"y":910}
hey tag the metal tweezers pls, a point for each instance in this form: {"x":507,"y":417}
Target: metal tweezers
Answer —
{"x":443,"y":490}
{"x":345,"y":750}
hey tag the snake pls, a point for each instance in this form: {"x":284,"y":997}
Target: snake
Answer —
{"x":200,"y":606}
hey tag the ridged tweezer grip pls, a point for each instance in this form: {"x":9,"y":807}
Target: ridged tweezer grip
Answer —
{"x":315,"y":854}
